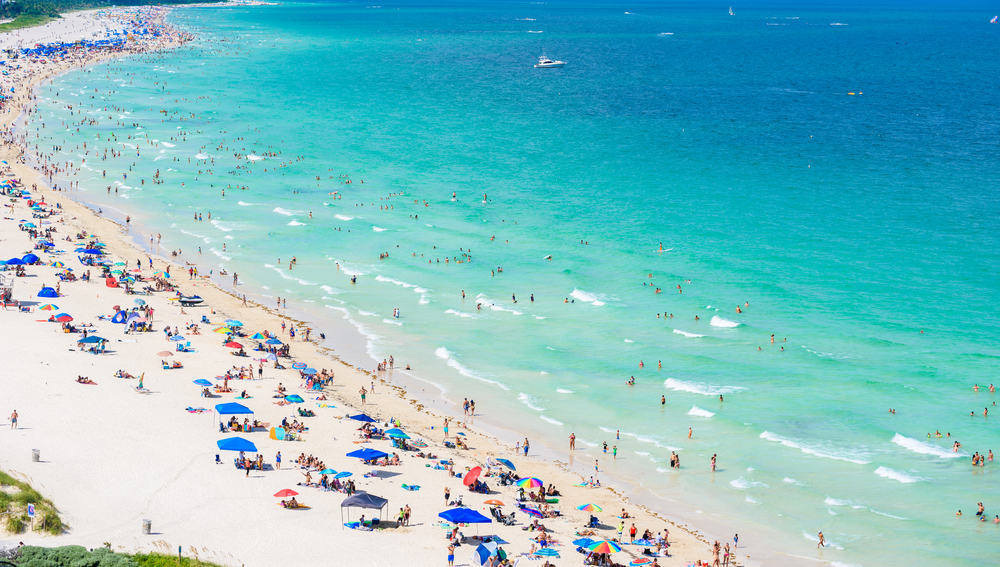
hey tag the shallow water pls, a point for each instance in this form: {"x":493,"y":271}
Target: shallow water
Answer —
{"x":860,"y":227}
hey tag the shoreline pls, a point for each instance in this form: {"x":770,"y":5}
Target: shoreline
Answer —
{"x":126,"y":245}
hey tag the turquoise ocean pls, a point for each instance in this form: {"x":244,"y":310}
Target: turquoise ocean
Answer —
{"x":831,"y":170}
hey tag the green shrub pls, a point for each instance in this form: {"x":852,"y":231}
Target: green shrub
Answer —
{"x":15,"y":524}
{"x":52,"y":523}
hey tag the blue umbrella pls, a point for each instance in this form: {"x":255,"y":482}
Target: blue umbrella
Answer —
{"x":236,"y":444}
{"x":344,"y":474}
{"x":273,"y":341}
{"x":367,"y":454}
{"x":547,"y":552}
{"x":91,"y":339}
{"x":584,"y":542}
{"x":507,"y":463}
{"x":327,"y":471}
{"x":294,"y":398}
{"x":363,"y":418}
{"x":464,"y":516}
{"x":91,"y":251}
{"x":308,"y":371}
{"x":29,"y":258}
{"x":234,"y":323}
{"x":15,"y":262}
{"x":202,"y":382}
{"x":397,"y":433}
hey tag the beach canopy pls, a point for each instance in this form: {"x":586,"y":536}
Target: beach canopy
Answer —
{"x":367,"y":454}
{"x":231,"y":408}
{"x":363,"y":418}
{"x":91,"y":340}
{"x":236,"y":444}
{"x":365,"y":500}
{"x":507,"y":463}
{"x":46,"y":291}
{"x":15,"y":262}
{"x":29,"y":258}
{"x":464,"y":516}
{"x":294,"y":398}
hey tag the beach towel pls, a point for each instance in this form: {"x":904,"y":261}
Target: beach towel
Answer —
{"x":190,"y":409}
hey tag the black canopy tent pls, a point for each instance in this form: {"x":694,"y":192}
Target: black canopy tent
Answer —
{"x":362,"y":500}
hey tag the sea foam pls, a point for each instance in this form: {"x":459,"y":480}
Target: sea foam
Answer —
{"x":924,"y":448}
{"x":724,"y":323}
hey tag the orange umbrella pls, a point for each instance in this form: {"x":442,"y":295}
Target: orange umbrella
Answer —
{"x":494,"y":502}
{"x":285,"y":492}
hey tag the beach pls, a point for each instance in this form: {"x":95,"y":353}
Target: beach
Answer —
{"x":113,"y":455}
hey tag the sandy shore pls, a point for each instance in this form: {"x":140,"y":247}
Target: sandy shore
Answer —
{"x":112,"y":456}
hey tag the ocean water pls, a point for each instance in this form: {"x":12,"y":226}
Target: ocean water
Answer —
{"x":830,"y":170}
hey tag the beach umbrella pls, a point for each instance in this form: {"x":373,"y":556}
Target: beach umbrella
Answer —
{"x":48,"y":292}
{"x":29,"y":224}
{"x":164,"y":353}
{"x":343,"y":474}
{"x":469,"y":478}
{"x":234,"y":323}
{"x":117,"y":272}
{"x":531,"y":512}
{"x":29,"y":258}
{"x":547,"y":552}
{"x":363,"y":418}
{"x":583,"y":542}
{"x":223,"y":330}
{"x":507,"y":463}
{"x":494,"y":502}
{"x":300,"y":366}
{"x":119,"y":264}
{"x":604,"y":546}
{"x":327,"y":471}
{"x":464,"y":516}
{"x":367,"y":454}
{"x":308,"y":371}
{"x":530,"y":482}
{"x":285,"y":492}
{"x":234,"y":344}
{"x":63,"y":318}
{"x":258,"y":337}
{"x":202,"y":382}
{"x":15,"y":262}
{"x":277,"y":433}
{"x":49,"y":307}
{"x":92,"y":339}
{"x":294,"y":398}
{"x":273,"y":341}
{"x":139,"y":302}
{"x":92,"y":251}
{"x":397,"y":433}
{"x":640,"y":561}
{"x":163,"y":275}
{"x":57,"y":264}
{"x":236,"y":444}
{"x":590,"y":508}
{"x":177,"y":338}
{"x":484,"y":552}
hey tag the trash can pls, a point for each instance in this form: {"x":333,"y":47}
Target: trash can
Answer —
{"x":36,"y":455}
{"x":147,"y":527}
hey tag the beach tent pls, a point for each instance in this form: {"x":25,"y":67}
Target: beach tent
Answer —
{"x":362,"y":500}
{"x":367,"y":454}
{"x":15,"y":262}
{"x":483,"y":553}
{"x":363,"y":418}
{"x":236,"y":444}
{"x":464,"y":516}
{"x":29,"y":258}
{"x":91,"y":340}
{"x":277,"y":433}
{"x":232,"y":408}
{"x":46,"y":291}
{"x":119,"y":317}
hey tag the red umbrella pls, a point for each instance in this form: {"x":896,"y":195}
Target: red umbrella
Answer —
{"x":234,"y":344}
{"x":64,"y":319}
{"x":471,"y":476}
{"x":285,"y":492}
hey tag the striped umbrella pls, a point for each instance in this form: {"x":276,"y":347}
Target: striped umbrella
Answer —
{"x":223,"y":330}
{"x":300,"y":366}
{"x":590,"y":508}
{"x":640,"y":561}
{"x":49,"y":307}
{"x":530,"y":482}
{"x":604,"y":546}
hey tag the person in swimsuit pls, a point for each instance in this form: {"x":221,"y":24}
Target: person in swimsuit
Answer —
{"x":451,"y":554}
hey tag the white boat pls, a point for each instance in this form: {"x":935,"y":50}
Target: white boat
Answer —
{"x":731,"y":13}
{"x":545,"y":63}
{"x":994,"y":20}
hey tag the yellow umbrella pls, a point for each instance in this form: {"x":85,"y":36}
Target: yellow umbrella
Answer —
{"x":224,"y":330}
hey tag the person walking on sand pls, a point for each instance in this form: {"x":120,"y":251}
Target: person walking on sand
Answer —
{"x":13,"y":420}
{"x":277,"y":460}
{"x":446,"y":429}
{"x":451,"y":554}
{"x":363,"y":393}
{"x":572,"y":441}
{"x":822,"y":540}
